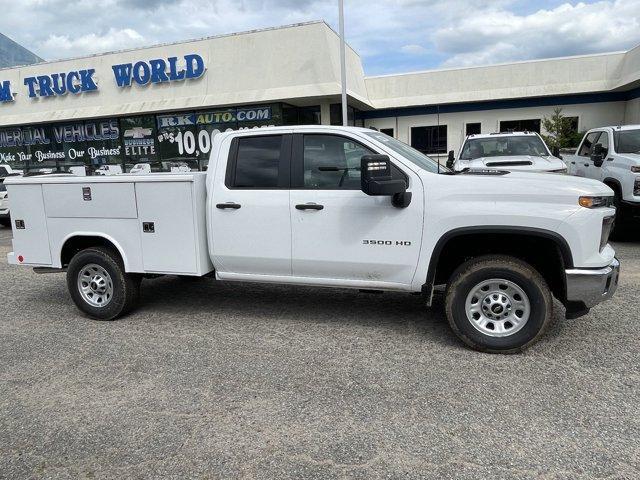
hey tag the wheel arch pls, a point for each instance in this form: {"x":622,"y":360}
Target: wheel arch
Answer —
{"x":503,"y":232}
{"x":77,"y":241}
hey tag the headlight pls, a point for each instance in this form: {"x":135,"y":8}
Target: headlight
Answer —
{"x":635,"y":169}
{"x":607,"y":223}
{"x":595,"y":202}
{"x":560,"y":170}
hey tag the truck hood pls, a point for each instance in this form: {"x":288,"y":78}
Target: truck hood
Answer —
{"x":634,"y":157}
{"x":528,"y":189}
{"x":514,"y":162}
{"x":535,"y":184}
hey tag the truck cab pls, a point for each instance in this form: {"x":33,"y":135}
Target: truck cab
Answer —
{"x":612,"y":156}
{"x":524,"y":151}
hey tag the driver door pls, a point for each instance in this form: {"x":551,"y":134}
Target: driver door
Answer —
{"x":340,"y":235}
{"x":584,"y":167}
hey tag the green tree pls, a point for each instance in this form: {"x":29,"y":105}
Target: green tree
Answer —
{"x":562,"y":132}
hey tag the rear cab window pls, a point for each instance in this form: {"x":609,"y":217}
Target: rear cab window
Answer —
{"x":259,"y":162}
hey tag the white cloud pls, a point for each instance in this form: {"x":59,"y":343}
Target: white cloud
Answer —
{"x":501,"y":35}
{"x":413,"y":49}
{"x":113,"y":39}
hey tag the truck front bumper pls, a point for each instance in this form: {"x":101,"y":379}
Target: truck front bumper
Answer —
{"x":586,"y":287}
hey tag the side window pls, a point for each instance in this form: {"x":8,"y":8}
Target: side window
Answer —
{"x":589,"y":141}
{"x":332,"y":162}
{"x":257,"y":162}
{"x":604,"y":141}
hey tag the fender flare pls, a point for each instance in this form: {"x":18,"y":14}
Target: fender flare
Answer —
{"x":109,"y":238}
{"x":558,"y":239}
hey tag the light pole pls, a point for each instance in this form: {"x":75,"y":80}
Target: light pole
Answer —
{"x":343,"y":72}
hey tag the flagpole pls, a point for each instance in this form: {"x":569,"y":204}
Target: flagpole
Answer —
{"x":343,"y":73}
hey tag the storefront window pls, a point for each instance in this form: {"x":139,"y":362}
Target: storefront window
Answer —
{"x":86,"y":146}
{"x":335,"y":112}
{"x":11,"y":150}
{"x":41,"y":149}
{"x":301,"y":115}
{"x":138,"y":140}
{"x":177,"y":142}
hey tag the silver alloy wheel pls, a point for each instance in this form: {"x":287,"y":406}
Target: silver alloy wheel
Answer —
{"x":95,"y":285}
{"x":497,"y":307}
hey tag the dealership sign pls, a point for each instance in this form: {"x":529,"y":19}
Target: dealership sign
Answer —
{"x":126,"y":74}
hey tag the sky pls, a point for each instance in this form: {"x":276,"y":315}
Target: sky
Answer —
{"x":391,"y":36}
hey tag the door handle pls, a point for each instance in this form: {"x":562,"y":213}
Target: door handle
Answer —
{"x":586,"y":164}
{"x":309,"y":206}
{"x":233,"y":205}
{"x":573,"y":163}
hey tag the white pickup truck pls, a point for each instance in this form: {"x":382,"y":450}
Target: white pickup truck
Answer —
{"x":612,"y":155}
{"x":331,"y":207}
{"x":511,"y":151}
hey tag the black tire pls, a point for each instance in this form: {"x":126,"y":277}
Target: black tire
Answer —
{"x":471,"y":274}
{"x":126,"y":287}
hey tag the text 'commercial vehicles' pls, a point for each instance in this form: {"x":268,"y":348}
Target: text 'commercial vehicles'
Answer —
{"x":331,"y":207}
{"x":612,"y":155}
{"x":506,"y":151}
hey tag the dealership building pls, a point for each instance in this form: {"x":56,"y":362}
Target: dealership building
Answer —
{"x":162,"y":105}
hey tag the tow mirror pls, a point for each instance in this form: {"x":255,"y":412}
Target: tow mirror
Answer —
{"x":597,"y":157}
{"x":377,"y":180}
{"x":450,"y":159}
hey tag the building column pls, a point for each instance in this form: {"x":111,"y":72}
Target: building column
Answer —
{"x":325,"y":113}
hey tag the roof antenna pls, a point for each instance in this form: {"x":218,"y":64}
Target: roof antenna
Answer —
{"x":438,"y":116}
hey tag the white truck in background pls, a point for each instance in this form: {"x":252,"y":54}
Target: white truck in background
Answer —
{"x":331,"y":207}
{"x":612,"y":155}
{"x":510,"y":151}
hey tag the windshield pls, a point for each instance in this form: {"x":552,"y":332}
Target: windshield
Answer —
{"x":503,"y":146}
{"x":410,"y":153}
{"x":627,"y":141}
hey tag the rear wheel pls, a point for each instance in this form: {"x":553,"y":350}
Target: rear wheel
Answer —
{"x":498,"y":304}
{"x":99,"y":286}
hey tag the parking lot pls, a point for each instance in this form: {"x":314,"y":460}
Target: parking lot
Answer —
{"x":219,"y":380}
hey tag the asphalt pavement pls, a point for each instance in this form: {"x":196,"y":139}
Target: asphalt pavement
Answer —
{"x":214,"y":380}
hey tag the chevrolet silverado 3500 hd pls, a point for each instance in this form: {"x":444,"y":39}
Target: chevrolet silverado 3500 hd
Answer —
{"x":333,"y":207}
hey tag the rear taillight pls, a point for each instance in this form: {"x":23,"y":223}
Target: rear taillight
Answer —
{"x":607,"y":224}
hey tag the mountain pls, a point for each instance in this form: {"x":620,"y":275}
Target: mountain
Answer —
{"x":13,"y":54}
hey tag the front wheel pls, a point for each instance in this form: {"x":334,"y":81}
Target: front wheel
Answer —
{"x":498,"y":304}
{"x":99,"y":286}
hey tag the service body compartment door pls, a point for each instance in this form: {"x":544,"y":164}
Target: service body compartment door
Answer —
{"x":167,"y":227}
{"x":90,"y":200}
{"x":31,"y":240}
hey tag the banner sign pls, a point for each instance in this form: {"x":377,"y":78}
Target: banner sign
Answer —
{"x":57,"y":141}
{"x":217,"y":117}
{"x":142,"y":73}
